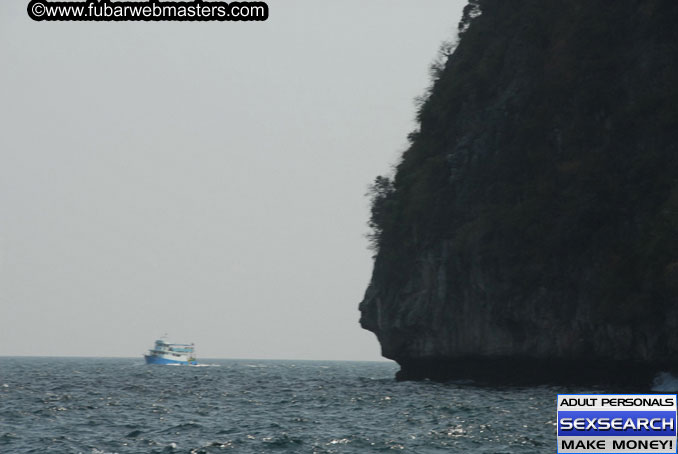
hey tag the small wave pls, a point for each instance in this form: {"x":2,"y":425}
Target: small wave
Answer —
{"x":7,"y":438}
{"x":216,"y":446}
{"x":665,"y":382}
{"x":280,"y":441}
{"x":339,"y":441}
{"x":182,"y":427}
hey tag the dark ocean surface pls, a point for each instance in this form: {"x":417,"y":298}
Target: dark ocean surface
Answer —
{"x":87,"y":405}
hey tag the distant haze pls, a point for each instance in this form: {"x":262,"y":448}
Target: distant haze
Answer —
{"x":205,"y":180}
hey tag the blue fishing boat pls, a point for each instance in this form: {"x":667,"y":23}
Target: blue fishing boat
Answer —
{"x":171,"y":354}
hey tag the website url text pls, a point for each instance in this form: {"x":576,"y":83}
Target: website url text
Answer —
{"x":151,"y":10}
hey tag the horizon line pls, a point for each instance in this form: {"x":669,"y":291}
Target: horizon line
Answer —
{"x":383,"y":360}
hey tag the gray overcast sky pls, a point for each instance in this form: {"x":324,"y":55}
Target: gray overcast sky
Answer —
{"x":202,"y":179}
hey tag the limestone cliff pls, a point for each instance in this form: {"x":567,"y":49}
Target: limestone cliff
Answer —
{"x":531,"y":228}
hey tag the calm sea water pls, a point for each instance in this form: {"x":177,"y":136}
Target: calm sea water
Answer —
{"x":61,"y":405}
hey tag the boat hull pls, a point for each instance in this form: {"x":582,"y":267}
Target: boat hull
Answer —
{"x":150,"y":359}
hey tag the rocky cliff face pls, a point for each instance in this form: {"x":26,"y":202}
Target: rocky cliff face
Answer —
{"x":531,"y":229}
